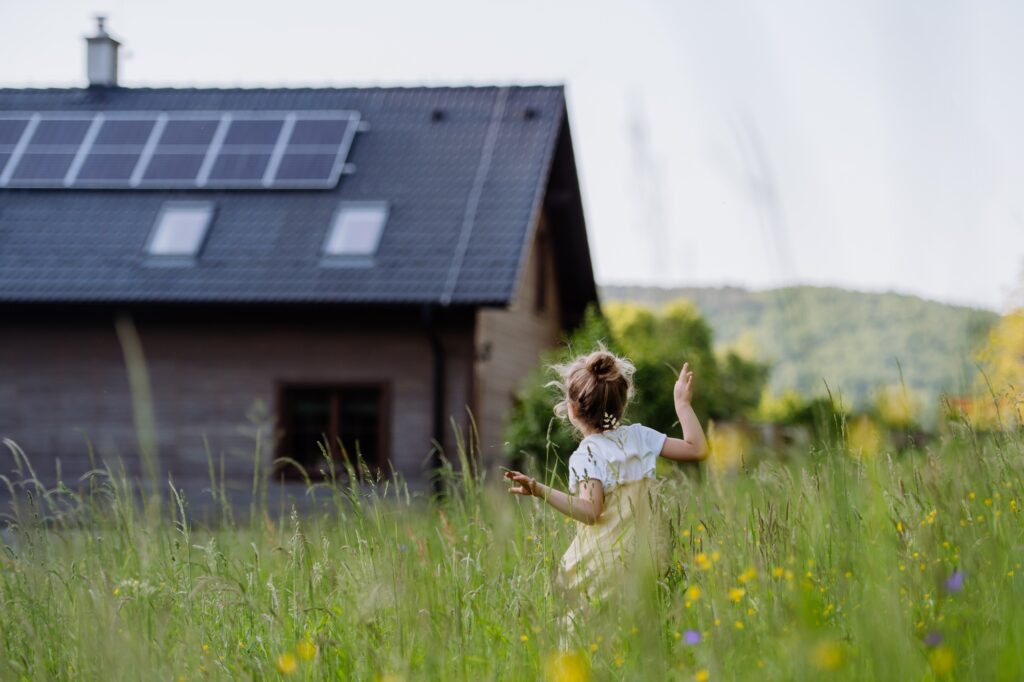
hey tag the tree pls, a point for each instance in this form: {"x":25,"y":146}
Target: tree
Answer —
{"x":999,"y":389}
{"x":657,"y":342}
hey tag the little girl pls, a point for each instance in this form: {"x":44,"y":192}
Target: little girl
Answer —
{"x":612,"y":471}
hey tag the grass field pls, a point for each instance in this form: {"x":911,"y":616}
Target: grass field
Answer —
{"x":826,"y":567}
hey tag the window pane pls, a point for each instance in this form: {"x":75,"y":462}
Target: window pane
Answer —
{"x":359,"y":424}
{"x":180,"y":229}
{"x":356,"y":230}
{"x":307,"y":417}
{"x":310,"y":415}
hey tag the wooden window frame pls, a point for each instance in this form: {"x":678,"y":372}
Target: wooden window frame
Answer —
{"x":287,"y":470}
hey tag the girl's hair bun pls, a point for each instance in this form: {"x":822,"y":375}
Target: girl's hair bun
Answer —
{"x":603,"y":365}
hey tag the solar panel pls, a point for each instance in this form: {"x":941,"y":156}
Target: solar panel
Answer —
{"x":100,"y":166}
{"x":48,"y":169}
{"x":175,"y":149}
{"x":60,"y":132}
{"x":230,"y":167}
{"x":124,"y":132}
{"x":11,"y":130}
{"x":247,"y":132}
{"x":174,"y":167}
{"x":182,"y":132}
{"x":305,"y":166}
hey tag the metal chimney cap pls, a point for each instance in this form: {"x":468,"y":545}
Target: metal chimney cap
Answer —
{"x":101,"y":31}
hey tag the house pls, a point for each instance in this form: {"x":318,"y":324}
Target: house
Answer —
{"x":370,"y":265}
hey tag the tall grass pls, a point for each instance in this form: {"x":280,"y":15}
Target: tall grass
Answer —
{"x":827,"y":567}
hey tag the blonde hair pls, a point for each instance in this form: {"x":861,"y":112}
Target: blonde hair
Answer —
{"x":599,"y":387}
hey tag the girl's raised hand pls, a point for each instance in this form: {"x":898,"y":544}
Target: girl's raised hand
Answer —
{"x":684,"y":386}
{"x":525,"y":484}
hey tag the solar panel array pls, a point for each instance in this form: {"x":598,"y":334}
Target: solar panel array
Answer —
{"x":175,"y":149}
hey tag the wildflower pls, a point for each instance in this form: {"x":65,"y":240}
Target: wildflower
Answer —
{"x":286,"y":663}
{"x":524,"y":638}
{"x":827,"y":655}
{"x":566,"y":666}
{"x":736,"y":594}
{"x":693,"y":593}
{"x":747,"y":575}
{"x":619,"y":660}
{"x":738,"y":624}
{"x":941,"y":660}
{"x":686,"y":533}
{"x":777,"y":572}
{"x":790,"y":575}
{"x":593,"y":648}
{"x":691,"y":637}
{"x":703,"y":563}
{"x":971,"y":495}
{"x":933,"y":638}
{"x":716,"y":555}
{"x":206,"y":647}
{"x":117,"y":591}
{"x":899,"y":526}
{"x":702,"y":675}
{"x":955,"y":582}
{"x":306,"y":649}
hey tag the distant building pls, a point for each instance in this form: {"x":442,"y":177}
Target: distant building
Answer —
{"x":364,"y":264}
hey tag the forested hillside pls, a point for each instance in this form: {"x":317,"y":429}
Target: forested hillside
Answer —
{"x":855,"y":341}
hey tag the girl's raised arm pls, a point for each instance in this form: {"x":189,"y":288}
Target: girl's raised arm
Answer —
{"x":692,"y":446}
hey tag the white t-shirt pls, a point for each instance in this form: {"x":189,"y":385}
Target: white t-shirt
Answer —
{"x":624,"y":454}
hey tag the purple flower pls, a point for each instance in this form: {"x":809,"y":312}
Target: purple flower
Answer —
{"x":691,"y":637}
{"x":955,"y":582}
{"x":933,"y":638}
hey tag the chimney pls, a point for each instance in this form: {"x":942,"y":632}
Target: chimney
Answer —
{"x":101,"y":57}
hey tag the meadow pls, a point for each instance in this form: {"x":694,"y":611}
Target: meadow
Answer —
{"x":828,"y":565}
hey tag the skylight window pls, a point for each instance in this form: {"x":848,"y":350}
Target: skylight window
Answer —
{"x":180,"y":229}
{"x":356,"y":230}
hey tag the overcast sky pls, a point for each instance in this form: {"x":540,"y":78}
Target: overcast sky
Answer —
{"x":874,"y":145}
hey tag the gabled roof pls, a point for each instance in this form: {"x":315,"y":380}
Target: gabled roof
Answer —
{"x":464,"y":189}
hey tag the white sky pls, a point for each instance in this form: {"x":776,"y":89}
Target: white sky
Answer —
{"x":873,"y":145}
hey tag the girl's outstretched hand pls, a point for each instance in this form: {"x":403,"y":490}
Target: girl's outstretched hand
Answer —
{"x":525,"y":484}
{"x":684,"y":386}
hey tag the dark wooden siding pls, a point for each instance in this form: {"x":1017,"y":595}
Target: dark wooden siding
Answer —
{"x":63,"y":380}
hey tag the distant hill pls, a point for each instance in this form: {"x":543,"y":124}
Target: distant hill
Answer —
{"x":850,"y":339}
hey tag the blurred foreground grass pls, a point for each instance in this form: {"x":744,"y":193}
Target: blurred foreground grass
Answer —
{"x":826,"y":567}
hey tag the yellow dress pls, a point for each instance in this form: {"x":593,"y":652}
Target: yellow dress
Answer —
{"x":629,"y":539}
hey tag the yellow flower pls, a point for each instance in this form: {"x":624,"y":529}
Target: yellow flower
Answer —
{"x":716,"y":555}
{"x":739,"y":624}
{"x":703,"y":563}
{"x":117,"y":591}
{"x":941,"y":660}
{"x":736,"y":594}
{"x":747,"y":575}
{"x":619,"y":660}
{"x":206,"y":647}
{"x":693,"y":593}
{"x":566,"y":666}
{"x":286,"y":663}
{"x":306,"y":649}
{"x":593,"y":647}
{"x":777,"y":572}
{"x":702,"y":675}
{"x":827,"y":655}
{"x":524,"y":638}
